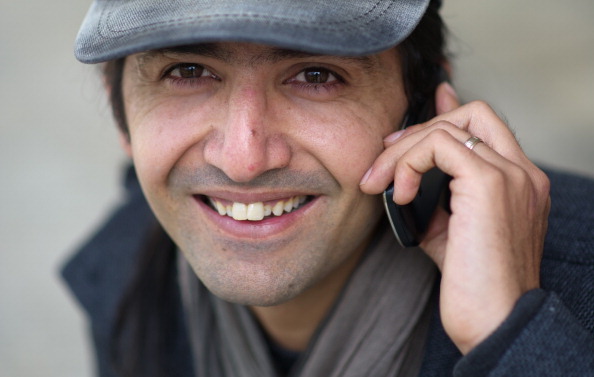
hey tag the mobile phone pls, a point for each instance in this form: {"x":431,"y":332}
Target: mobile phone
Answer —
{"x":410,"y":222}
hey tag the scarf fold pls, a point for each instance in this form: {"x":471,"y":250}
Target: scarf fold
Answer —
{"x":376,"y":328}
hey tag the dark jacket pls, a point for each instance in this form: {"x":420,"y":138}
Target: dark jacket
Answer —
{"x":549,"y":333}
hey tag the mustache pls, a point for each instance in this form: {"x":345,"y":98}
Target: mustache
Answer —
{"x":210,"y":176}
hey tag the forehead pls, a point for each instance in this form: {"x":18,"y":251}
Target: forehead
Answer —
{"x":249,"y":54}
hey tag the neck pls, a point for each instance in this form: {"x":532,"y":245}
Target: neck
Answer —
{"x":292,"y":324}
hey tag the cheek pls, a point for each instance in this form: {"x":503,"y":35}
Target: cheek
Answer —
{"x":347,"y":134}
{"x":357,"y":149}
{"x":347,"y":142}
{"x":161,"y":133}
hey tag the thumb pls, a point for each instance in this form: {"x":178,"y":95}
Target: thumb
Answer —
{"x":446,"y":98}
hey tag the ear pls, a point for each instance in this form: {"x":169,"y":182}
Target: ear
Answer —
{"x":126,"y":143}
{"x":446,"y":98}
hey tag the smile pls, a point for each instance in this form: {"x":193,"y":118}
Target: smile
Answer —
{"x":258,"y":210}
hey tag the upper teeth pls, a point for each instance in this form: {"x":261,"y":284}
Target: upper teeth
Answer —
{"x":258,"y":210}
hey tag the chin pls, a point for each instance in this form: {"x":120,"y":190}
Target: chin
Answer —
{"x":259,"y":286}
{"x":264,"y":295}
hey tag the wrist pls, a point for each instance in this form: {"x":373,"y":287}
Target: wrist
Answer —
{"x":483,"y":356}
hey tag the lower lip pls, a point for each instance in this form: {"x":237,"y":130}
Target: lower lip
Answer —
{"x":268,"y":227}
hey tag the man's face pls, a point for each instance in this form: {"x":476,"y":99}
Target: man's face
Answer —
{"x":224,"y":132}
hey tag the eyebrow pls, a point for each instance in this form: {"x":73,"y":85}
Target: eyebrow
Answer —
{"x":270,"y":55}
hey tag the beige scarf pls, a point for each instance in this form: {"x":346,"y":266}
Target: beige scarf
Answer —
{"x":377,"y":328}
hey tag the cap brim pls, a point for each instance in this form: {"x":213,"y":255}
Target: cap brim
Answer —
{"x":113,"y":29}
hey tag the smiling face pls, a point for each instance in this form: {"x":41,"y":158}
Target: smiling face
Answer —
{"x":251,"y":157}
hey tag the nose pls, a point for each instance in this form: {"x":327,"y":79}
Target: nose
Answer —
{"x":248,"y":141}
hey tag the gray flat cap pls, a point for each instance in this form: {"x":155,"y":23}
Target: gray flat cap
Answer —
{"x":116,"y":28}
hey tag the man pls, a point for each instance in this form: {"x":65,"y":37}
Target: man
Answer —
{"x":261,"y":135}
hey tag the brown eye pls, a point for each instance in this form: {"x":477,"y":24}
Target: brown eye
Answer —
{"x":189,"y":71}
{"x":316,"y":75}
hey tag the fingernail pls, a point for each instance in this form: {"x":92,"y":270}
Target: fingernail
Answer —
{"x":394,"y":136}
{"x":365,"y":177}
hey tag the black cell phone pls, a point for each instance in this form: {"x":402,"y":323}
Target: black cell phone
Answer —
{"x":410,"y":222}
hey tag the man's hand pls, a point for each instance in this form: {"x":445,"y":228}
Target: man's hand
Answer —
{"x":489,"y":248}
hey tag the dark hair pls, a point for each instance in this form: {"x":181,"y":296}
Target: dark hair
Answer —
{"x":147,"y":316}
{"x":113,"y":73}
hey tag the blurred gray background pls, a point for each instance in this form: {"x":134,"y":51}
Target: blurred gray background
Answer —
{"x":533,"y":60}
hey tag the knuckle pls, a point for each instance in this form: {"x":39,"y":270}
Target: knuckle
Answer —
{"x":442,"y":124}
{"x":440,"y":133}
{"x":445,"y":126}
{"x":399,"y":165}
{"x":542,"y":183}
{"x":518,"y":174}
{"x":494,"y":177}
{"x":479,"y":106}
